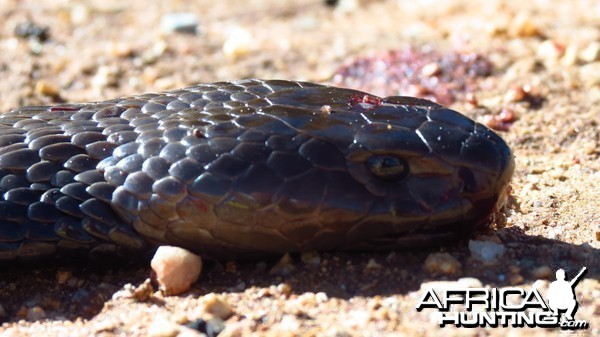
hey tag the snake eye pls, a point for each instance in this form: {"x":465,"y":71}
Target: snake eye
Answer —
{"x":388,"y":167}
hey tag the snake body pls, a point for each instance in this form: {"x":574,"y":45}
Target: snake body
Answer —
{"x":241,"y":169}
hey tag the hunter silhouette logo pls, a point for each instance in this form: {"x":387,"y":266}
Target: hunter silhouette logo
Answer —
{"x":510,"y":306}
{"x":561,"y":295}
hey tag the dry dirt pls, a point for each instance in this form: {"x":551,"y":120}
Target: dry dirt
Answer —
{"x":544,"y":90}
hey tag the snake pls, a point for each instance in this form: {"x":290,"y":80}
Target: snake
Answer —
{"x":241,"y":169}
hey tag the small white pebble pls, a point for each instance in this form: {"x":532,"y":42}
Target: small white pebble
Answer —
{"x":550,"y":51}
{"x":176,"y":269}
{"x":239,"y":43}
{"x":430,"y":69}
{"x":289,"y":323}
{"x":347,"y":6}
{"x":321,"y":297}
{"x":179,"y":22}
{"x":486,"y":251}
{"x":163,"y":328}
{"x":590,"y":53}
{"x":79,"y":14}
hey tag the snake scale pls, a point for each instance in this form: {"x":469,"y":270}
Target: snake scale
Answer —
{"x":246,"y":168}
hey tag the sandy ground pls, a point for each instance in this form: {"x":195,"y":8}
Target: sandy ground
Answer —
{"x":545,"y":77}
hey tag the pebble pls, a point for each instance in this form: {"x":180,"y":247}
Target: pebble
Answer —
{"x":372,"y":265}
{"x":285,"y":289}
{"x":35,"y":314}
{"x":235,"y":329}
{"x":486,"y":251}
{"x":121,"y":49}
{"x":306,"y":299}
{"x":216,"y":306}
{"x":179,"y":23}
{"x":32,"y":30}
{"x":346,"y":6}
{"x":62,"y":276}
{"x":211,"y":327}
{"x":311,"y":258}
{"x":550,"y":51}
{"x":442,"y":263}
{"x":176,"y":269}
{"x":151,"y":56}
{"x":239,"y":43}
{"x":471,"y":98}
{"x":79,"y":14}
{"x":590,"y":73}
{"x":517,"y":94}
{"x":47,"y":89}
{"x":431,"y":69}
{"x":163,"y":328}
{"x":106,"y":76}
{"x":570,"y":56}
{"x":144,"y":291}
{"x":321,"y":297}
{"x":591,"y":53}
{"x":105,"y":325}
{"x":284,"y":266}
{"x":289,"y":323}
{"x":523,"y":26}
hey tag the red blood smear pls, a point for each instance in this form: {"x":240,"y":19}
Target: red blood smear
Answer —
{"x":447,"y":78}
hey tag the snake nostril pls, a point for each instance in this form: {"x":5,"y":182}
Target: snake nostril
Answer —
{"x":388,"y":167}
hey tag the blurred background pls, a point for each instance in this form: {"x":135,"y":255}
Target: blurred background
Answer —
{"x":69,"y":50}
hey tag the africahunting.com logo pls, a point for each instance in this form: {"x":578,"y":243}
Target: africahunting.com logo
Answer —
{"x":508,"y":307}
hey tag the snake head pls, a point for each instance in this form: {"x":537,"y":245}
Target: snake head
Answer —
{"x":389,"y":172}
{"x":435,"y":173}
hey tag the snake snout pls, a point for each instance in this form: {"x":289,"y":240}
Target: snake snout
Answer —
{"x":484,"y":179}
{"x":436,"y":180}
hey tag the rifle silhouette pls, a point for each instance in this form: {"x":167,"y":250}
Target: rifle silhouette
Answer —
{"x":575,"y":279}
